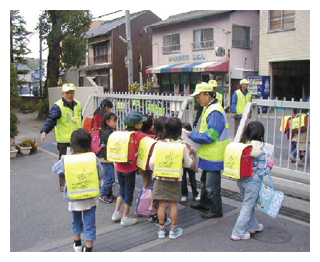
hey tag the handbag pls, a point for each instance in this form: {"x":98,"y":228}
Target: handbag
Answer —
{"x":269,"y":200}
{"x":145,"y":203}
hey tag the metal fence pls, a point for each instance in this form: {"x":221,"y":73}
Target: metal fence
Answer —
{"x":155,"y":104}
{"x":275,"y":111}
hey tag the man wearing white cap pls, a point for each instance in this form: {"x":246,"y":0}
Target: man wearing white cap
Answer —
{"x":66,"y":116}
{"x":240,"y":99}
{"x":213,"y":136}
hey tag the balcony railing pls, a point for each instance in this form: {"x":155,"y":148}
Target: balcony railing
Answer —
{"x":99,"y":59}
{"x":170,"y":49}
{"x":203,"y":45}
{"x":242,"y":43}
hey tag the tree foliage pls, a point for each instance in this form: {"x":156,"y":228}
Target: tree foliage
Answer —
{"x":63,"y":30}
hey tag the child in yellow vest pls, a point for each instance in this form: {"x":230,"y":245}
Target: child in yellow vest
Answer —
{"x":83,"y":210}
{"x":169,"y":189}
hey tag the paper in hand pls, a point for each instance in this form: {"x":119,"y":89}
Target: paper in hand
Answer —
{"x":187,"y":140}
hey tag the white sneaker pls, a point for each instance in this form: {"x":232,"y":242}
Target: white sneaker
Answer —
{"x":175,"y":234}
{"x":129,"y":221}
{"x":246,"y":236}
{"x":184,"y":199}
{"x":162,"y":233}
{"x":197,"y":198}
{"x":259,"y":229}
{"x":116,"y":217}
{"x":77,"y":248}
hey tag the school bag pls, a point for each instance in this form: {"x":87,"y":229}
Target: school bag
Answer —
{"x":82,"y":177}
{"x":121,"y":147}
{"x":93,"y":125}
{"x":145,"y":151}
{"x":269,"y":200}
{"x":145,"y":204}
{"x":238,"y":162}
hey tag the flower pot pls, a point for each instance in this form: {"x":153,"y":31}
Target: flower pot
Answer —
{"x":24,"y":150}
{"x":13,"y":153}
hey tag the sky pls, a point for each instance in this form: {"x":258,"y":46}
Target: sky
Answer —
{"x":31,"y":17}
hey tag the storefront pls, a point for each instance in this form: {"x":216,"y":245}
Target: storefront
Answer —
{"x":182,"y":78}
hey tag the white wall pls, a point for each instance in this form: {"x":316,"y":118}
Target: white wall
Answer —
{"x":81,"y":94}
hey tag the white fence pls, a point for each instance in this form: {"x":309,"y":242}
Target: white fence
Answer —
{"x":276,"y":111}
{"x":157,"y":105}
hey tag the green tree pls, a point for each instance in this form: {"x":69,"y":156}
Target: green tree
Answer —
{"x":63,"y":30}
{"x":18,"y":38}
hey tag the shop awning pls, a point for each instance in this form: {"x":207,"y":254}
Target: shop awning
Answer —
{"x":214,"y":66}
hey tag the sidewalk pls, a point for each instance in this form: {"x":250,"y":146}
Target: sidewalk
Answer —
{"x":40,"y":220}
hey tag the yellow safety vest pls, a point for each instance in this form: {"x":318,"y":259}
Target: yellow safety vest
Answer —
{"x":296,"y":120}
{"x":82,"y":175}
{"x":213,"y":151}
{"x":145,"y":146}
{"x":118,"y":146}
{"x":242,"y":101}
{"x":68,"y":122}
{"x":168,"y":159}
{"x":283,"y":123}
{"x":232,"y":159}
{"x":219,"y":97}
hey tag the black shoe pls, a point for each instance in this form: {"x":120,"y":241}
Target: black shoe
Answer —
{"x":211,"y":215}
{"x":199,"y":207}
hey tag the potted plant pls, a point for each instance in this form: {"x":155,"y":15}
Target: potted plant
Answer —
{"x":28,"y":147}
{"x":13,"y":152}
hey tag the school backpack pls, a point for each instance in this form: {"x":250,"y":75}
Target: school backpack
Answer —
{"x":145,"y":150}
{"x":93,"y":125}
{"x":238,"y":162}
{"x":121,"y":147}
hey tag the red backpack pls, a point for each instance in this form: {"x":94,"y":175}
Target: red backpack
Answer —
{"x":93,"y":125}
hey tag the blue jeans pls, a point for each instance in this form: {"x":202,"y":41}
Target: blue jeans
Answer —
{"x":211,"y":191}
{"x":84,"y":221}
{"x":127,"y":182}
{"x":247,"y":220}
{"x":106,"y":189}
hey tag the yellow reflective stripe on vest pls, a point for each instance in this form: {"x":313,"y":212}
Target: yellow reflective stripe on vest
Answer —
{"x":296,"y":120}
{"x":242,"y":101}
{"x":82,"y":176}
{"x":118,"y":146}
{"x":168,"y":159}
{"x":68,"y":122}
{"x":145,"y":146}
{"x":232,"y":159}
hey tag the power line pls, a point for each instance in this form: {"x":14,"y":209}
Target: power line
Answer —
{"x":107,"y":14}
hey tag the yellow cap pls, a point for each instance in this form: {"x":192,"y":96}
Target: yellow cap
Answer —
{"x":244,"y":81}
{"x":203,"y":87}
{"x":213,"y":83}
{"x":68,"y":87}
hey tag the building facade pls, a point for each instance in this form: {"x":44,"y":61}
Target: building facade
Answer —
{"x":186,"y":50}
{"x":285,"y":52}
{"x":107,"y":52}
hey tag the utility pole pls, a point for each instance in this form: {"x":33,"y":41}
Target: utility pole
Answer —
{"x":129,"y":49}
{"x":40,"y":62}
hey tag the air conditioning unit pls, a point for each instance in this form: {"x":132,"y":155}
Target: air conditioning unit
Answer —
{"x":220,"y":51}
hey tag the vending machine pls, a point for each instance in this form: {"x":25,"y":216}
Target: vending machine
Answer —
{"x":259,"y":86}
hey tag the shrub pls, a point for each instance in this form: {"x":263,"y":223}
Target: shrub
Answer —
{"x":42,"y":106}
{"x":13,"y":125}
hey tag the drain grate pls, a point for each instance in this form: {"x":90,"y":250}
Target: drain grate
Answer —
{"x":285,"y":211}
{"x":273,"y":235}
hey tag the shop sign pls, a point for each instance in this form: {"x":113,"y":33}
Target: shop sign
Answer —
{"x":179,"y":58}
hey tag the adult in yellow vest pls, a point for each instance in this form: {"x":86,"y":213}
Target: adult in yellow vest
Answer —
{"x":213,"y":136}
{"x":66,"y":116}
{"x":240,"y":99}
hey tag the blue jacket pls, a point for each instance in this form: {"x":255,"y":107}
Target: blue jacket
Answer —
{"x":235,"y":101}
{"x":54,"y":115}
{"x":216,"y":124}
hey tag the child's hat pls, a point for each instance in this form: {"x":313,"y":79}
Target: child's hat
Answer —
{"x":134,"y":118}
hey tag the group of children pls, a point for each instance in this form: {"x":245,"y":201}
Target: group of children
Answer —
{"x":167,"y":191}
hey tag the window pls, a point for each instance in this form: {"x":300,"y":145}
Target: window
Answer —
{"x":101,"y":52}
{"x":281,"y":19}
{"x":241,"y":36}
{"x":203,"y":39}
{"x":171,"y":43}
